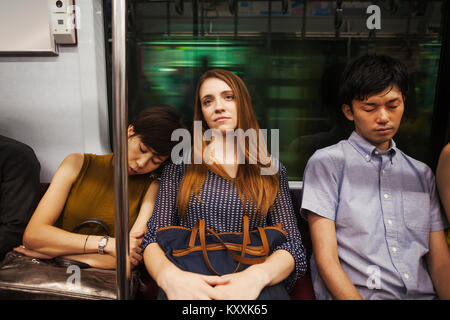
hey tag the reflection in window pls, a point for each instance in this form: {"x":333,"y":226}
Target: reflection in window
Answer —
{"x":291,"y":63}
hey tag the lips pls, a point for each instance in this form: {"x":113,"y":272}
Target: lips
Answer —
{"x":384,"y":130}
{"x":131,"y":171}
{"x":221,"y":119}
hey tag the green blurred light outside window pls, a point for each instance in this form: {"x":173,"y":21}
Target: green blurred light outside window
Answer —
{"x":292,"y":82}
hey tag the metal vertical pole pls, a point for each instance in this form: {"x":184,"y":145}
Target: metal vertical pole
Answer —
{"x":202,"y":17}
{"x":305,"y":8}
{"x":269,"y":26}
{"x":236,"y":19}
{"x":195,"y":18}
{"x":120,"y":112}
{"x":168,"y":17}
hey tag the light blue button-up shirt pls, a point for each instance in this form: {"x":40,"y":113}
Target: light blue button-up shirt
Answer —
{"x":384,"y":205}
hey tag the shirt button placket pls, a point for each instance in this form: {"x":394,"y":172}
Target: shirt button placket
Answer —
{"x":388,"y":212}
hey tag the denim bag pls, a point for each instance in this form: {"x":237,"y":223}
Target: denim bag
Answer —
{"x":204,"y":251}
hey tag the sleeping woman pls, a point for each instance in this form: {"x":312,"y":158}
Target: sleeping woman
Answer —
{"x":83,"y":188}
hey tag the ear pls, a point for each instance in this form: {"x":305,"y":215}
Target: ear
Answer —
{"x":130,"y":131}
{"x":347,"y":112}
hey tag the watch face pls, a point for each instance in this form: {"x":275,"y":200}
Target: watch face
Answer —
{"x":102,"y":244}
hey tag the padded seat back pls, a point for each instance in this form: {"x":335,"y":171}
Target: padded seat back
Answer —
{"x":303,"y":289}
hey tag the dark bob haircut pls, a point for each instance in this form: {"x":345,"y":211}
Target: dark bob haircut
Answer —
{"x":371,"y":74}
{"x":154,"y":125}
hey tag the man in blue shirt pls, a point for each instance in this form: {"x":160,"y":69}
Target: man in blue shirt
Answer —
{"x":373,"y":211}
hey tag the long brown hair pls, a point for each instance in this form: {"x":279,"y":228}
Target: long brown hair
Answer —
{"x":252,"y":187}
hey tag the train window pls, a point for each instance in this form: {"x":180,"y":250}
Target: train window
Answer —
{"x":290,"y":54}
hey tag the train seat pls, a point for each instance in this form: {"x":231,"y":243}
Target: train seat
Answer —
{"x":303,"y":289}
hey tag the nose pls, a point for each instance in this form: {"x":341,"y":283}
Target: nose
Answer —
{"x":218,"y":106}
{"x":382,"y":116}
{"x":142,"y":161}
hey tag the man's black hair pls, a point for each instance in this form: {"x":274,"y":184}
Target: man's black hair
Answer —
{"x":371,"y":74}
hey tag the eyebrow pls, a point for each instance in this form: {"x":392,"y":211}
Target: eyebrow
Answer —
{"x":207,"y":96}
{"x":156,"y":155}
{"x":211,"y":96}
{"x":375,"y":104}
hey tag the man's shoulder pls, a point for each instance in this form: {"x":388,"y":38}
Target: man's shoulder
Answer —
{"x":417,"y":165}
{"x":13,"y":145}
{"x":335,"y":153}
{"x":15,"y":149}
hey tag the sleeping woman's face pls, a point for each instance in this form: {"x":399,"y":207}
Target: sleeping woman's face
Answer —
{"x":141,"y":159}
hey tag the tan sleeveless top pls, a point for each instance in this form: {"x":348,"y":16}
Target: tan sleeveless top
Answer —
{"x":92,"y":195}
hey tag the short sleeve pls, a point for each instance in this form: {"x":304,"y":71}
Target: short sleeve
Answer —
{"x":320,"y":186}
{"x":283,"y":212}
{"x":438,"y":220}
{"x":165,"y":212}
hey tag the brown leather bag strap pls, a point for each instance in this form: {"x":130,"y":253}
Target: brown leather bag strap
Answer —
{"x":265,"y":242}
{"x":246,"y":237}
{"x":193,"y":235}
{"x":241,"y":259}
{"x":202,"y":235}
{"x":238,"y":258}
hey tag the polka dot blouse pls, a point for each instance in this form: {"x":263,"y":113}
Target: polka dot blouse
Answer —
{"x":222,"y":211}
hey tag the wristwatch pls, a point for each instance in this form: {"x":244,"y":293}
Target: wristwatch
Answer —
{"x":102,"y":244}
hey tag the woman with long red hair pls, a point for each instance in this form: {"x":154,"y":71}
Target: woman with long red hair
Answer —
{"x":229,"y":181}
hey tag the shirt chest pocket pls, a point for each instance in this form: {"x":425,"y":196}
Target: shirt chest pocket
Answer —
{"x":416,"y":210}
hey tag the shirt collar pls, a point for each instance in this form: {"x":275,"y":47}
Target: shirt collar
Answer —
{"x":367,"y":150}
